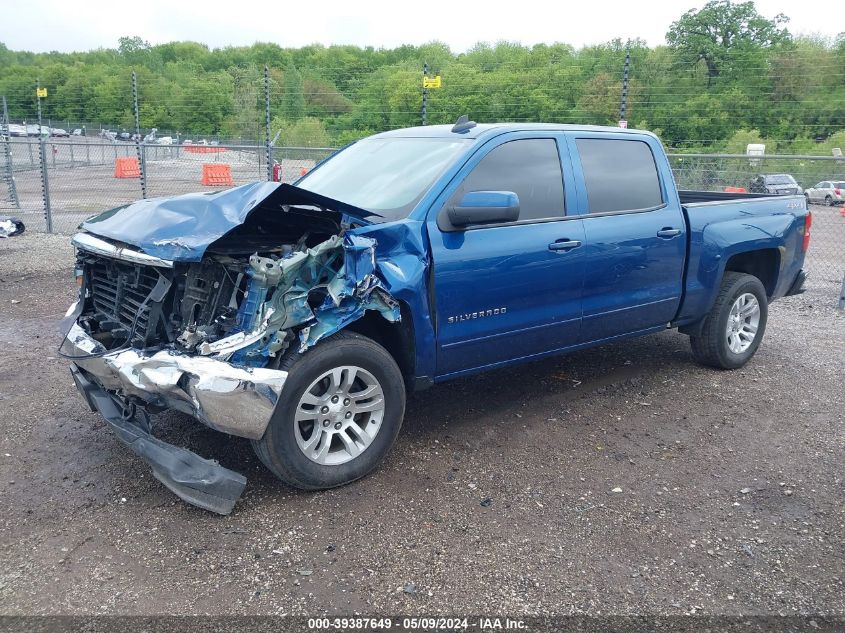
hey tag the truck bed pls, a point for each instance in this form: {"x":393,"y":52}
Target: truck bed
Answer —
{"x":689,"y":197}
{"x":723,"y":225}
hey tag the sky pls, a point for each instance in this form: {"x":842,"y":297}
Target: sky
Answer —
{"x":64,"y":25}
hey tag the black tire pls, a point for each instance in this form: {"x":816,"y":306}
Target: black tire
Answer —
{"x":828,"y":200}
{"x":711,"y":347}
{"x":278,"y":449}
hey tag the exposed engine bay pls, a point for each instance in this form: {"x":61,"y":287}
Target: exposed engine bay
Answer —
{"x":190,"y":303}
{"x":246,"y":309}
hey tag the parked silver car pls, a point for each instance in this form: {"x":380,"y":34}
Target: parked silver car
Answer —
{"x":829,"y":192}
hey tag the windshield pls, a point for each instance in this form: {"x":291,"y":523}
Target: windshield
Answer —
{"x":387,"y":176}
{"x":780,"y":179}
{"x":839,"y":185}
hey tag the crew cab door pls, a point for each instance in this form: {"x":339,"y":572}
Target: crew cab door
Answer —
{"x":509,"y":290}
{"x":635,"y":234}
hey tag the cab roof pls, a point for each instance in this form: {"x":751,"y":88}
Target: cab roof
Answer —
{"x":493,"y":129}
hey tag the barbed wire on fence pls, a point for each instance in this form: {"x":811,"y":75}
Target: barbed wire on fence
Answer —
{"x":281,"y":122}
{"x":786,"y":99}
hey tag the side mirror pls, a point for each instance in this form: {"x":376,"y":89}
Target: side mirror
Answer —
{"x":485,"y":207}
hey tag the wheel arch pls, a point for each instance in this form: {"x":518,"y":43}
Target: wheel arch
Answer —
{"x":396,"y":337}
{"x":763,"y":263}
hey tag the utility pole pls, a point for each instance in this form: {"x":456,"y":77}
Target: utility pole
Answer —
{"x":139,"y":149}
{"x":425,"y":96}
{"x":42,"y":147}
{"x":38,"y":100}
{"x":623,"y":104}
{"x":268,"y":149}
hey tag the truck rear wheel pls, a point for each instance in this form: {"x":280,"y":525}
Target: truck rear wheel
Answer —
{"x":338,"y":415}
{"x":735,"y":326}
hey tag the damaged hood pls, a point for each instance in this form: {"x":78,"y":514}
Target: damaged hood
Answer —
{"x":182,"y":227}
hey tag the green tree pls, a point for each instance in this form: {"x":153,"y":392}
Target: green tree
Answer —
{"x":741,"y":139}
{"x":306,"y":132}
{"x":293,"y":94}
{"x":246,"y":118}
{"x":723,"y":33}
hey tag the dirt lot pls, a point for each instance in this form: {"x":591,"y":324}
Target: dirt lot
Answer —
{"x":498,"y":497}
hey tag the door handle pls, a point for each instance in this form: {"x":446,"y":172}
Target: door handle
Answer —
{"x":564,"y":245}
{"x":668,"y":232}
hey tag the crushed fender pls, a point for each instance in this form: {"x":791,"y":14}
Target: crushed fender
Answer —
{"x":314,"y":292}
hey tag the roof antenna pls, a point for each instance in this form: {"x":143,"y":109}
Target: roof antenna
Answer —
{"x":463,"y":124}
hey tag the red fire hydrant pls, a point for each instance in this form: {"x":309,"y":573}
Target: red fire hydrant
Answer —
{"x":277,"y":172}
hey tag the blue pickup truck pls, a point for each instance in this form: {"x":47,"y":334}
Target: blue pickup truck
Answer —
{"x":299,"y":316}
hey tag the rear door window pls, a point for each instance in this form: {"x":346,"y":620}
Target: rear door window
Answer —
{"x":619,"y":175}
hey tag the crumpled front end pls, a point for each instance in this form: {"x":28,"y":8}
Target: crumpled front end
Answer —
{"x":206,"y":336}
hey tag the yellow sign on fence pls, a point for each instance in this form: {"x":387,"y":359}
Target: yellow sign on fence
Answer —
{"x":40,"y":92}
{"x":432,"y":82}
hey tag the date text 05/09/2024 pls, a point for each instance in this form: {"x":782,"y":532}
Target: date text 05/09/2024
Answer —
{"x":418,"y":624}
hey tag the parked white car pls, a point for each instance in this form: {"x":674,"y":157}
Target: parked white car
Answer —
{"x":829,"y":192}
{"x":165,"y":140}
{"x":34,"y":130}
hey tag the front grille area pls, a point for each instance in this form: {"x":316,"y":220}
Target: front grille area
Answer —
{"x":118,"y":290}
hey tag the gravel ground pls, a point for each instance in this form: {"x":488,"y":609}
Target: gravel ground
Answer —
{"x":620,"y":480}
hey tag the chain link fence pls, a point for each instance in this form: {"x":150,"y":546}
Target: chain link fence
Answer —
{"x":718,"y":172}
{"x":81,"y":178}
{"x":76,"y":179}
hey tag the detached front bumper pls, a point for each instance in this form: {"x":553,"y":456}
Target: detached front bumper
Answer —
{"x":201,"y":482}
{"x":122,"y":384}
{"x":234,"y":400}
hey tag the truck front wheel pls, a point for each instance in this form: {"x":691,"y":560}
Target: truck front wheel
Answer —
{"x":735,"y":326}
{"x":338,"y":415}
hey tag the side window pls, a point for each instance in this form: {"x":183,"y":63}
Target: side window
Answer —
{"x":619,"y":175}
{"x":530,"y":168}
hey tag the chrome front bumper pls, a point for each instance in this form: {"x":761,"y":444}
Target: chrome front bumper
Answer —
{"x":234,"y":400}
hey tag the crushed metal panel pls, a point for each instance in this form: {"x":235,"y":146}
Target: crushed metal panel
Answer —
{"x":343,"y":268}
{"x":181,"y":228}
{"x":235,"y":400}
{"x":403,"y":266}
